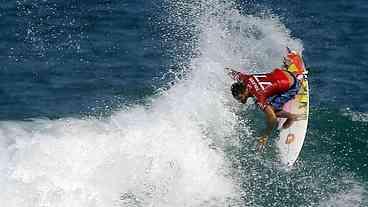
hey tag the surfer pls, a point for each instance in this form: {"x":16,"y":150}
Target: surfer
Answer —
{"x":271,"y":91}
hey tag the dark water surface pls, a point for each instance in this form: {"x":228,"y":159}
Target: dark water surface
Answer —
{"x":61,"y":58}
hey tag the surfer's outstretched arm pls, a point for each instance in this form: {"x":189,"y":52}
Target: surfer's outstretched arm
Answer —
{"x":271,"y":123}
{"x":236,"y":75}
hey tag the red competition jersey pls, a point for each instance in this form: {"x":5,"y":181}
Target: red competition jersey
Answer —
{"x":263,"y":86}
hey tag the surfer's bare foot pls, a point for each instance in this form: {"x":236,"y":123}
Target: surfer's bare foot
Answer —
{"x":288,"y":123}
{"x":292,"y":118}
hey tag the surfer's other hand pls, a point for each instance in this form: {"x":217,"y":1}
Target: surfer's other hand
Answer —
{"x":232,"y":73}
{"x":262,"y":141}
{"x":229,"y":71}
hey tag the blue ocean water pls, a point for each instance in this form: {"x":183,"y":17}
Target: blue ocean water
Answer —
{"x":67,"y":58}
{"x":125,"y":103}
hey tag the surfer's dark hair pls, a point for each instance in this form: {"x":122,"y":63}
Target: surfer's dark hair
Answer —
{"x":237,"y":88}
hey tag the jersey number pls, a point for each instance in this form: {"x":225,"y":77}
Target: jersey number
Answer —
{"x":261,"y":83}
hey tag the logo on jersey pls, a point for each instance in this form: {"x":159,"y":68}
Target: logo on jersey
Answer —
{"x":259,"y":82}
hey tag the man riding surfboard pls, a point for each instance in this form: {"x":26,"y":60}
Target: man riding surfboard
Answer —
{"x":271,"y":91}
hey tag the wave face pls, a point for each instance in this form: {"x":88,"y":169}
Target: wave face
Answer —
{"x":191,"y":145}
{"x":166,"y":154}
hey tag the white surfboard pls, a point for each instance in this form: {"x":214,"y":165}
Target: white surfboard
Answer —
{"x":292,"y":139}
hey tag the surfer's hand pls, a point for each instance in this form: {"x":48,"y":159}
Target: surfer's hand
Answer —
{"x":232,"y":73}
{"x":229,"y":71}
{"x":262,"y":143}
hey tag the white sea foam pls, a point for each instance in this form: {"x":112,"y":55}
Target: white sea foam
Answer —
{"x":353,"y":197}
{"x":167,"y":154}
{"x":144,"y":157}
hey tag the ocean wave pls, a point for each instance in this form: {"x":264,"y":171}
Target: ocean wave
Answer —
{"x":183,"y":148}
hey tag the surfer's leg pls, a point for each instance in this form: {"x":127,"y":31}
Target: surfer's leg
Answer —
{"x":289,"y":121}
{"x":282,"y":114}
{"x":290,"y":118}
{"x":278,"y":101}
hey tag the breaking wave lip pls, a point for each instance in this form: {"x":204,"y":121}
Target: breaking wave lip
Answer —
{"x":167,"y":154}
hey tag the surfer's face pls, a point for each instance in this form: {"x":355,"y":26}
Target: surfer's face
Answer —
{"x":242,"y":97}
